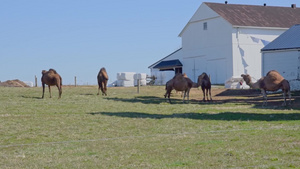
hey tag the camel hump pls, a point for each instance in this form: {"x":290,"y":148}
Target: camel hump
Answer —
{"x":103,"y":73}
{"x":52,"y":70}
{"x":273,"y":75}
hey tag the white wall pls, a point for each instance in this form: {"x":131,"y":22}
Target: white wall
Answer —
{"x":247,"y":44}
{"x":208,"y":50}
{"x":286,"y":62}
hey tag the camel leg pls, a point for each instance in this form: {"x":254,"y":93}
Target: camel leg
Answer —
{"x":203,"y":94}
{"x":210,"y":94}
{"x":49,"y":90}
{"x":59,"y":91}
{"x":43,"y":90}
{"x":105,"y":89}
{"x":168,"y":93}
{"x":98,"y":90}
{"x":184,"y":96}
{"x":289,"y":93}
{"x":188,"y":95}
{"x":265,"y":97}
{"x":284,"y":97}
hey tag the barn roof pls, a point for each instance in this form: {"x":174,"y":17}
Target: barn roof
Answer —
{"x":257,"y":16}
{"x":290,"y":39}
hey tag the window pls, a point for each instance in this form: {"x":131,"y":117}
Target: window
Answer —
{"x":205,"y":26}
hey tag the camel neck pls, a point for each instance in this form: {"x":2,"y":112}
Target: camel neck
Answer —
{"x":253,"y":85}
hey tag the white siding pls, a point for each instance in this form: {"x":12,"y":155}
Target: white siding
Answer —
{"x":287,"y":63}
{"x":247,"y":43}
{"x":208,"y":50}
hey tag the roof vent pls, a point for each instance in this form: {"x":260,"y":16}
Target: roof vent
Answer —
{"x":293,"y":6}
{"x":226,"y":2}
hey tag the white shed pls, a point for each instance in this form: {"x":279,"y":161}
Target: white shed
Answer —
{"x":225,"y":40}
{"x":283,"y":55}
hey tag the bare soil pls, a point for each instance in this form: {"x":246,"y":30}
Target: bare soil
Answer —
{"x":247,"y":96}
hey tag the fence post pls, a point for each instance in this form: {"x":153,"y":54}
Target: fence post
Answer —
{"x":35,"y":80}
{"x":75,"y":79}
{"x":138,"y":85}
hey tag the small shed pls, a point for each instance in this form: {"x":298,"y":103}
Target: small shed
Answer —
{"x":283,"y":55}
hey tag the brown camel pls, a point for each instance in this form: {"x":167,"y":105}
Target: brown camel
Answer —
{"x":204,"y":82}
{"x":273,"y":81}
{"x":51,"y":78}
{"x":102,"y":81}
{"x":179,"y":83}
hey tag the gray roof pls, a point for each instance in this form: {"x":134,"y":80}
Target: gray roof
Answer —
{"x":290,"y":39}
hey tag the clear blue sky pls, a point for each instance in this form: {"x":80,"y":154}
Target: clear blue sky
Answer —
{"x":78,"y":37}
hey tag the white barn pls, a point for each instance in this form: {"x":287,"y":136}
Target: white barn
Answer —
{"x":225,"y":40}
{"x":283,"y":55}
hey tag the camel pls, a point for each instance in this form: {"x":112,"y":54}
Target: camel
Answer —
{"x":102,"y":81}
{"x":179,"y":83}
{"x":273,"y":81}
{"x":204,"y":82}
{"x":51,"y":78}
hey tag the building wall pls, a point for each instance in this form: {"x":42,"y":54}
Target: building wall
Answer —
{"x":207,"y":50}
{"x":164,"y":76}
{"x":246,"y":46}
{"x":286,"y":62}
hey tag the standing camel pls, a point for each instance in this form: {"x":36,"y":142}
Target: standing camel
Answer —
{"x":273,"y":81}
{"x":51,"y":78}
{"x":179,"y":83}
{"x":102,"y":81}
{"x":204,"y":82}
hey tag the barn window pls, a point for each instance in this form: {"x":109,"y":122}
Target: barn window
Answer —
{"x":205,"y":26}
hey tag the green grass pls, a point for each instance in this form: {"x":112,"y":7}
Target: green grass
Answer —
{"x":130,"y":130}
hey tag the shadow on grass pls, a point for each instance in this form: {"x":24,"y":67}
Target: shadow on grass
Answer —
{"x":31,"y":97}
{"x":226,"y":116}
{"x":140,"y":99}
{"x":274,"y":102}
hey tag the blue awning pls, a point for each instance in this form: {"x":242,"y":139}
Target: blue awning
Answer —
{"x":169,"y":64}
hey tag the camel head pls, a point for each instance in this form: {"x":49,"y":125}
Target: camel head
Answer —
{"x":44,"y":71}
{"x":184,"y":75}
{"x":246,"y":78}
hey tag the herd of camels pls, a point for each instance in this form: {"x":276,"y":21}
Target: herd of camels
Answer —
{"x":273,"y":81}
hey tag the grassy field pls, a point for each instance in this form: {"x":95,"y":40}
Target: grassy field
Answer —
{"x":127,"y":129}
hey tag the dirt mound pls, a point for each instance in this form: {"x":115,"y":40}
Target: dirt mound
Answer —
{"x":13,"y":83}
